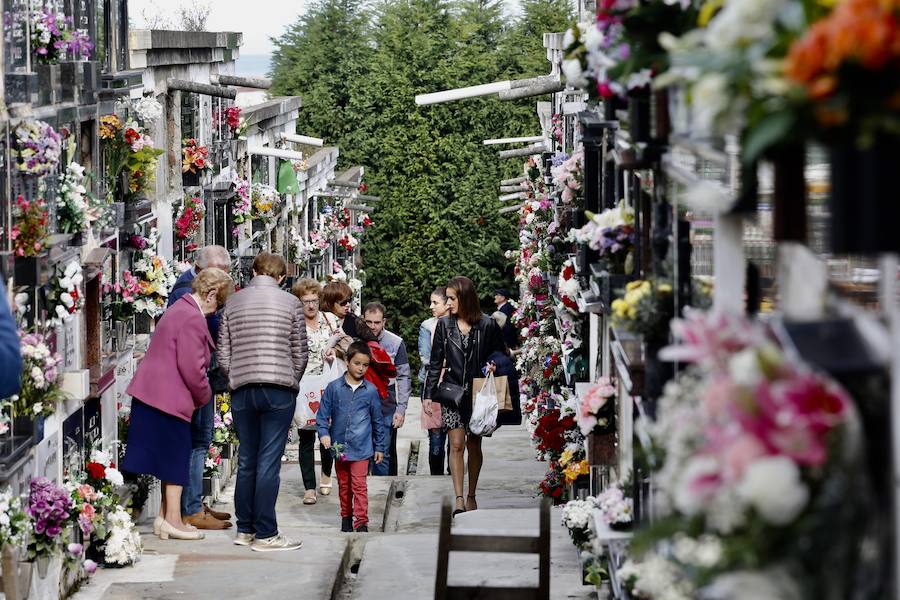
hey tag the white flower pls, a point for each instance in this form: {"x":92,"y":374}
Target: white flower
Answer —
{"x":102,"y":457}
{"x":773,"y":486}
{"x":572,"y":70}
{"x":66,"y":298}
{"x":744,"y":367}
{"x":593,"y":39}
{"x":710,"y":100}
{"x":689,"y":499}
{"x":114,"y":477}
{"x":61,"y":312}
{"x":569,"y":37}
{"x":773,"y":584}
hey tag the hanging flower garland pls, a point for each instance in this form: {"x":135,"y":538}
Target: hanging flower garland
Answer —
{"x":188,"y":223}
{"x":64,"y":298}
{"x":71,"y":201}
{"x":155,"y":277}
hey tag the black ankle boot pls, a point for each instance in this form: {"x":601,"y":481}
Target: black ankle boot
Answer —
{"x":347,"y":524}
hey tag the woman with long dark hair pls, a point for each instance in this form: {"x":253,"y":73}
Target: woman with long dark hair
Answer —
{"x":463,"y":341}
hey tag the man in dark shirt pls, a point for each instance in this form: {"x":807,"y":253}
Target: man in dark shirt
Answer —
{"x":501,"y":299}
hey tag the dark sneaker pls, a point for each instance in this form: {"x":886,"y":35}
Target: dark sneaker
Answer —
{"x":347,"y":524}
{"x":362,"y":529}
{"x":275,"y":543}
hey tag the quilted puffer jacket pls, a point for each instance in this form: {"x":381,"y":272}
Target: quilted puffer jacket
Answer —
{"x":262,"y":336}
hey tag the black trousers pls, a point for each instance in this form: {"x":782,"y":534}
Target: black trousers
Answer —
{"x":308,"y":458}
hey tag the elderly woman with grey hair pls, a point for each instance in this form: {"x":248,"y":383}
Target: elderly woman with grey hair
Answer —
{"x":195,"y":512}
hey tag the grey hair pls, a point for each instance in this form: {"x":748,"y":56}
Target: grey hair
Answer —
{"x":212,"y":254}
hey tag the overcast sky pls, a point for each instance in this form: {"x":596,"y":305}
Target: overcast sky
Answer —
{"x":257,"y":19}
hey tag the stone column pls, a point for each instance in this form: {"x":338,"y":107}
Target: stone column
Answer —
{"x":171,"y":172}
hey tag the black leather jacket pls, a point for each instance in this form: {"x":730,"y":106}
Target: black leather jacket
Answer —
{"x":447,"y":344}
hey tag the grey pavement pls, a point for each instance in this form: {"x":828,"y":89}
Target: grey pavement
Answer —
{"x":400,"y":563}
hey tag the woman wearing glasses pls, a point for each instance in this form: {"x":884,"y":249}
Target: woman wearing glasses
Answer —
{"x":337,"y":298}
{"x":318,"y":334}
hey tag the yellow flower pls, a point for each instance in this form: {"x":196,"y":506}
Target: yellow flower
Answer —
{"x":574,"y":470}
{"x":708,"y":11}
{"x":566,"y":457}
{"x":633,"y":285}
{"x":224,"y":407}
{"x":109,"y":126}
{"x":665,"y":288}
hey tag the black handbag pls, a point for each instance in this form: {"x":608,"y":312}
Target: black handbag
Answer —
{"x":218,"y":380}
{"x":448,"y":394}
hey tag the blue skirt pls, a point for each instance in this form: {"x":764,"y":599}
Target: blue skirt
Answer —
{"x":159,"y":444}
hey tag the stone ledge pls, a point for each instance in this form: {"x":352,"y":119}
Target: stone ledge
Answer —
{"x":155,"y":39}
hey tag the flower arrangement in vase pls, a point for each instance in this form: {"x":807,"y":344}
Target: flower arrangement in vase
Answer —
{"x":64,"y":299}
{"x":612,"y":235}
{"x":53,"y":35}
{"x":49,"y":508}
{"x":37,"y":148}
{"x":72,"y":201}
{"x":188,"y":223}
{"x":129,"y":152}
{"x":597,"y":407}
{"x":155,"y":277}
{"x":264,"y":202}
{"x":578,"y":517}
{"x":31,"y":227}
{"x":616,"y":509}
{"x":124,"y":294}
{"x":568,"y":287}
{"x":242,"y":206}
{"x":15,"y":526}
{"x":645,"y":309}
{"x":40,"y":391}
{"x":194,"y":157}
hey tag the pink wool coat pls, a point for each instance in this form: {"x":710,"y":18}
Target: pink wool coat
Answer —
{"x":172,"y":375}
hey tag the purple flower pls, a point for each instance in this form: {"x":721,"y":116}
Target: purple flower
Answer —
{"x":90,"y":567}
{"x":75,"y":549}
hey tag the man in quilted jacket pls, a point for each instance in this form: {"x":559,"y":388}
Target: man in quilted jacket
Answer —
{"x":262,"y":347}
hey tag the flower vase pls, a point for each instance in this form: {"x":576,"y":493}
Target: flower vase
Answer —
{"x":656,"y":374}
{"x":45,"y":578}
{"x":789,"y":195}
{"x":622,"y":526}
{"x":639,"y":116}
{"x":864,"y":208}
{"x":30,"y":270}
{"x":121,"y":334}
{"x":190,"y":179}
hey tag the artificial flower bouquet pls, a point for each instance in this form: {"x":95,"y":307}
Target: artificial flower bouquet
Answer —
{"x":123,"y":295}
{"x":758,"y":465}
{"x":213,"y":461}
{"x":646,"y":309}
{"x":264,"y":202}
{"x":568,"y":288}
{"x":578,"y":518}
{"x":569,"y":178}
{"x":616,"y":509}
{"x":37,"y":149}
{"x":188,"y":223}
{"x":31,"y":227}
{"x":241,"y":205}
{"x":49,"y":508}
{"x":40,"y":391}
{"x":848,"y":66}
{"x":553,"y":484}
{"x":194,"y":156}
{"x":612,"y":235}
{"x":64,"y":298}
{"x":72,"y":200}
{"x":155,"y":277}
{"x":15,"y":525}
{"x":129,"y":152}
{"x":53,"y":36}
{"x":597,"y":409}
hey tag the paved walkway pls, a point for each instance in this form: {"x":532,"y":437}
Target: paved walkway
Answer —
{"x":398,"y":564}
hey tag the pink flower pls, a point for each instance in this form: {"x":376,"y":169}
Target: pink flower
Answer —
{"x":711,"y":337}
{"x":90,"y":567}
{"x":739,"y":453}
{"x":75,"y":549}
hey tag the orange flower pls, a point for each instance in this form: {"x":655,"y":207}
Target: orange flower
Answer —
{"x":109,"y":126}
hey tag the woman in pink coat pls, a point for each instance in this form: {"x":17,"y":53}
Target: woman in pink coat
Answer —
{"x":169,"y":384}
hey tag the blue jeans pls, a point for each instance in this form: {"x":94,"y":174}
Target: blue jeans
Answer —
{"x":387,"y":423}
{"x":201,"y":438}
{"x":262,"y":416}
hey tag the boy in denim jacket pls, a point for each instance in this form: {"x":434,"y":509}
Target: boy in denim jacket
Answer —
{"x":350,"y":406}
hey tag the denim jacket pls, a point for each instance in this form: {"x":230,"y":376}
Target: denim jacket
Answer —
{"x":351,"y":414}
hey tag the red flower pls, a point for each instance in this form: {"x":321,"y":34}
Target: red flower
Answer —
{"x":131,"y":136}
{"x":96,"y":470}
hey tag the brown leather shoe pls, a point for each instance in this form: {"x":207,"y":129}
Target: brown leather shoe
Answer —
{"x":204,"y":520}
{"x":222,"y":516}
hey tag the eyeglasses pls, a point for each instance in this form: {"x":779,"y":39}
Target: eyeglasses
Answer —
{"x":311,"y":302}
{"x":345,"y":302}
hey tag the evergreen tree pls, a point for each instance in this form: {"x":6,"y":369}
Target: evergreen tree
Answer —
{"x":321,"y":58}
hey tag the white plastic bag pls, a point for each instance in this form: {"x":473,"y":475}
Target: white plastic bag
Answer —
{"x":484,"y":409}
{"x":309,"y":397}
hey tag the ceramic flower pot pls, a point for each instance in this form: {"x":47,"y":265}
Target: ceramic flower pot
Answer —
{"x":864,"y":207}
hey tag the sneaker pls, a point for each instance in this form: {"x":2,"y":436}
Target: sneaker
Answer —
{"x":275,"y":543}
{"x":243,"y":539}
{"x":362,"y":529}
{"x":347,"y":524}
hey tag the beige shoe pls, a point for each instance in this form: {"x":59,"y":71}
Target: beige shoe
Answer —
{"x":276,"y":543}
{"x":167,"y":531}
{"x":325,"y":488}
{"x":243,"y":539}
{"x":309,"y":497}
{"x":157,"y":523}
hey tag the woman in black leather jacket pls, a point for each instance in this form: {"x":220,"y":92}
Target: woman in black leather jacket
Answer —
{"x":465,"y":339}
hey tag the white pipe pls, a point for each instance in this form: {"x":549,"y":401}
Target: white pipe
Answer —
{"x":473,"y":91}
{"x":536,"y":149}
{"x":509,"y":209}
{"x":285,"y":154}
{"x":303,"y":139}
{"x":514,"y":180}
{"x":516,"y":196}
{"x":517,"y":140}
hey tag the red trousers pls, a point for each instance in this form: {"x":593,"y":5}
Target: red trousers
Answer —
{"x":353,"y":491}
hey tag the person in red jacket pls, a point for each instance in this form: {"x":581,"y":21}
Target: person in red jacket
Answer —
{"x":381,"y":369}
{"x":170,"y":383}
